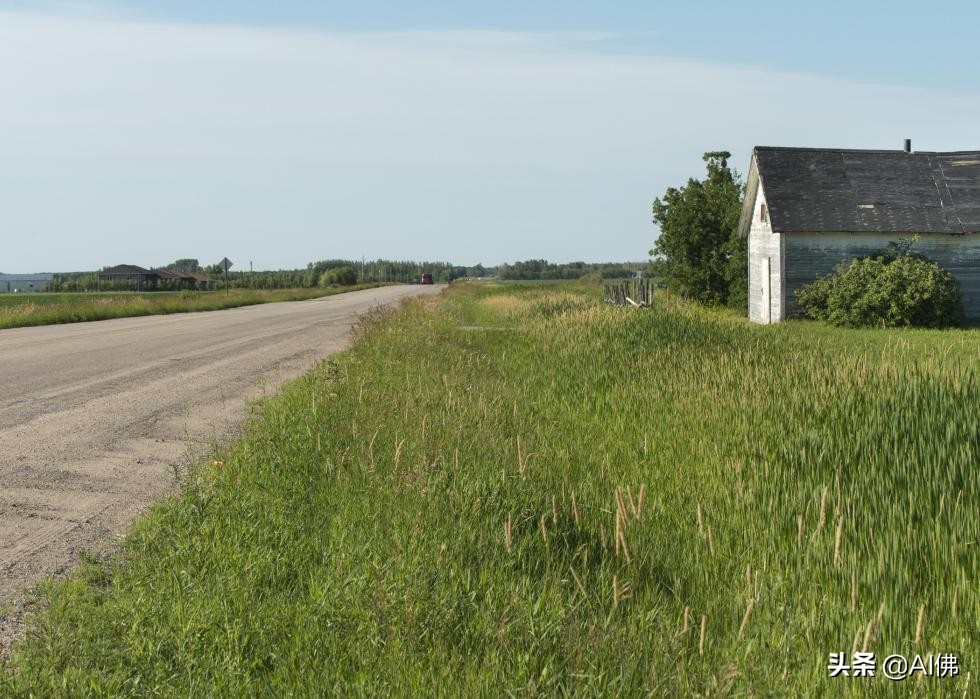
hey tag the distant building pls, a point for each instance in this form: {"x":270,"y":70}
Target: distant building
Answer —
{"x":808,"y":210}
{"x":172,"y":278}
{"x":131,"y":274}
{"x":153,"y":279}
{"x":200,"y":281}
{"x":24,"y":283}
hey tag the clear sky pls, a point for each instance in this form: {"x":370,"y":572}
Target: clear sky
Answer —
{"x":284,"y":132}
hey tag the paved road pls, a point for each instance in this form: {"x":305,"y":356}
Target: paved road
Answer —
{"x":93,"y":416}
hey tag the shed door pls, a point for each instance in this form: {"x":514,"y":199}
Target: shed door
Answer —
{"x":767,"y":292}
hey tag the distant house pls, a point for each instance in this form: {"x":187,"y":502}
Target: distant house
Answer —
{"x":200,"y":281}
{"x":23,"y":283}
{"x":184,"y":280}
{"x":807,"y":210}
{"x":151,"y":279}
{"x":130,"y":274}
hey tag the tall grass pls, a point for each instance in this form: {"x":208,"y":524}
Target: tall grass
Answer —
{"x":23,"y":310}
{"x":518,"y":490}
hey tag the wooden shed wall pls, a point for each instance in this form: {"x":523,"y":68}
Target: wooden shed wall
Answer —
{"x":765,"y":268}
{"x":807,"y":255}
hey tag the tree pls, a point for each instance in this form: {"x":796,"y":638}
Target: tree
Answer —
{"x":315,"y":270}
{"x":339,"y":276}
{"x":187,"y":264}
{"x":703,"y":258}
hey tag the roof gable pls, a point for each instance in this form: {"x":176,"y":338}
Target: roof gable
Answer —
{"x":866,"y":191}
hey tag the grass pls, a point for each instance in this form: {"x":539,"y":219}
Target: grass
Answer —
{"x":516,"y":490}
{"x":23,"y":310}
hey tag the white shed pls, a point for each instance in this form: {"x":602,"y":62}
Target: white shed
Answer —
{"x":807,"y":210}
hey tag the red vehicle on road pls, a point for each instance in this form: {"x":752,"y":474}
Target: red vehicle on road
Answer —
{"x":426,"y":278}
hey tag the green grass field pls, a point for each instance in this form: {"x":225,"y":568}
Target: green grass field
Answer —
{"x":514,"y":489}
{"x":22,"y":310}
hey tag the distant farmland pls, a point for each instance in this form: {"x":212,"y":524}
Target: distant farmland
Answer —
{"x":78,"y":299}
{"x":22,"y":310}
{"x":516,"y":489}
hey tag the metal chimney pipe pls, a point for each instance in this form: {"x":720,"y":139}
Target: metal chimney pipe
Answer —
{"x":908,"y":145}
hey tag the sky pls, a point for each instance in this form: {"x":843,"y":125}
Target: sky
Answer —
{"x":281,"y":133}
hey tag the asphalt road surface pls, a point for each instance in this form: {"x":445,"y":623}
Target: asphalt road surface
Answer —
{"x":94,"y":416}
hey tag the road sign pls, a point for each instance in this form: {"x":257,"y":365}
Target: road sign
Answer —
{"x":661,"y":285}
{"x":224,"y":265}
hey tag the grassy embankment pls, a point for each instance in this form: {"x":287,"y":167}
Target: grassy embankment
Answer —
{"x":515,"y":489}
{"x":22,"y":310}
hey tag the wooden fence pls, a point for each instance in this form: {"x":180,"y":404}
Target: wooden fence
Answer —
{"x":637,"y":293}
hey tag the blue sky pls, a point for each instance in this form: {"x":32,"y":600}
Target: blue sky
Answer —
{"x":475,"y":132}
{"x":897,"y":42}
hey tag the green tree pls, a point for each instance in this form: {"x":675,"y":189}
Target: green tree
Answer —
{"x":186,"y":264}
{"x":339,"y":276}
{"x":703,"y":258}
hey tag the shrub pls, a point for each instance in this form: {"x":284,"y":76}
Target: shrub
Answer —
{"x":339,"y":276}
{"x":894,"y":288}
{"x":814,"y":297}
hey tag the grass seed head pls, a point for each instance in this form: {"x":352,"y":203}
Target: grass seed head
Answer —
{"x":867,"y":636}
{"x":823,"y":509}
{"x":857,"y":639}
{"x":838,"y":538}
{"x":745,"y":617}
{"x":920,"y":624}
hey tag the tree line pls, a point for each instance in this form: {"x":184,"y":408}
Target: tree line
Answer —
{"x":348,"y":272}
{"x":319,"y":273}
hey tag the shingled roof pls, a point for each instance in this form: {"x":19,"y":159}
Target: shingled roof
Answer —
{"x":865,"y":191}
{"x":125,"y":269}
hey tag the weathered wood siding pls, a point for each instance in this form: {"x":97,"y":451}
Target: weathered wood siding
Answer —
{"x":766,"y":297}
{"x":807,"y":255}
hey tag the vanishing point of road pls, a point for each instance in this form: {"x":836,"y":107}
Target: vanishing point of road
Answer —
{"x":94,"y":416}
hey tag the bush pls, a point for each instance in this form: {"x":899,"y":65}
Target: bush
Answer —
{"x":339,"y":276}
{"x":814,"y":297}
{"x":892,"y":289}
